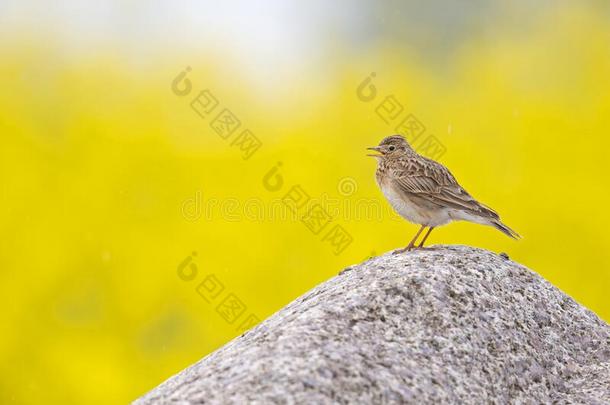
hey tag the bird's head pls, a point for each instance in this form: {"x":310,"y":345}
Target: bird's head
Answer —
{"x":394,"y":145}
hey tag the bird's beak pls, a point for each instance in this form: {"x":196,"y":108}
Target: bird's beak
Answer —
{"x":376,"y":149}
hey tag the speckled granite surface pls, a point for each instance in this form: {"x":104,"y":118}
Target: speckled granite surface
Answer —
{"x":453,"y":325}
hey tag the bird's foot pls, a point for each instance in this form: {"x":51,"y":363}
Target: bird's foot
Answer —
{"x":411,"y":248}
{"x":405,"y":249}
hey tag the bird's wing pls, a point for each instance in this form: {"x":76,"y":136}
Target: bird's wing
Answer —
{"x":434,"y":183}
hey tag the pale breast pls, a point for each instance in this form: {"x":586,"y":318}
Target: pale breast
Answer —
{"x":411,"y":211}
{"x":404,"y":207}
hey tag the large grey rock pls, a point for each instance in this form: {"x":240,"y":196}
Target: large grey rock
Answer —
{"x":452,"y":325}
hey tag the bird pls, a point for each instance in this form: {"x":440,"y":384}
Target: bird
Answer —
{"x":424,"y":192}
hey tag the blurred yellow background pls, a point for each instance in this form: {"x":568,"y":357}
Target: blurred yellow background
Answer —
{"x":111,"y":179}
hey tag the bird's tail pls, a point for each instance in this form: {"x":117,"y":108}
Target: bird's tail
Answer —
{"x":496,"y":223}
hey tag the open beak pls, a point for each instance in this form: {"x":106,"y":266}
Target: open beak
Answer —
{"x":376,"y":149}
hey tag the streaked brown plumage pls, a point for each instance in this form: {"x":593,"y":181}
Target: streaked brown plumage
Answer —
{"x":424,"y":192}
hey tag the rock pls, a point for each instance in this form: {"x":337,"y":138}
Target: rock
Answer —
{"x":452,"y":324}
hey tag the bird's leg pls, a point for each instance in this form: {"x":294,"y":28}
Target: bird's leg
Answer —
{"x":421,"y":244}
{"x":412,"y":243}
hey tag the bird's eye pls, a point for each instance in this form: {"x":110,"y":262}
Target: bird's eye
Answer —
{"x":391,"y":148}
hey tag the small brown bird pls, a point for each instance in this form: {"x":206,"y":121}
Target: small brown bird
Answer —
{"x":424,"y":192}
